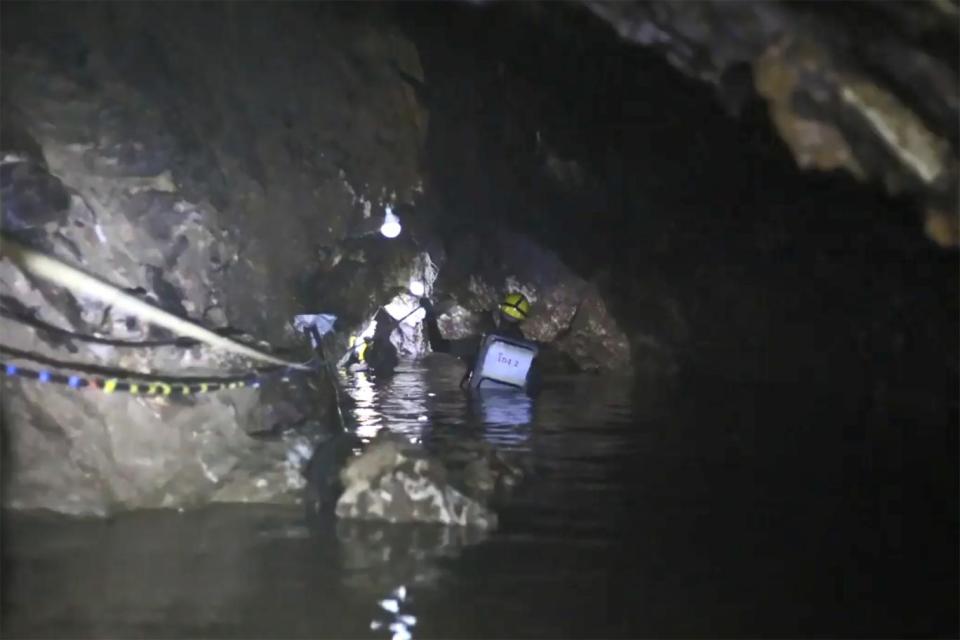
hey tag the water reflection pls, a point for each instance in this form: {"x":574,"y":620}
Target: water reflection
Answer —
{"x":730,"y":511}
{"x":367,"y":418}
{"x":423,"y":402}
{"x":426,"y":394}
{"x":502,"y":408}
{"x":397,"y":402}
{"x":400,"y":624}
{"x":383,"y":562}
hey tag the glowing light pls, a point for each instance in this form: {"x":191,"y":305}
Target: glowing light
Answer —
{"x":391,"y":224}
{"x":365,"y":410}
{"x":407,"y":308}
{"x":44,"y":376}
{"x":400,"y":631}
{"x":417,"y":288}
{"x":11,"y":369}
{"x":370,"y":330}
{"x":390,"y":605}
{"x":401,"y":624}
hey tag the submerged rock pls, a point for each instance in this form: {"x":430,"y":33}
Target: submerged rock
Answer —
{"x":491,"y":471}
{"x":396,"y":481}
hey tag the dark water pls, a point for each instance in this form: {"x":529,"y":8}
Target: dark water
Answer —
{"x":712,"y":508}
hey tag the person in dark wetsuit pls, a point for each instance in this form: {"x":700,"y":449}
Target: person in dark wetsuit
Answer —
{"x":511,"y":312}
{"x":377,"y":353}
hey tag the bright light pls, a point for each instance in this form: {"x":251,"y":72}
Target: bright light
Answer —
{"x":391,"y":224}
{"x":406,"y":308}
{"x":417,"y":288}
{"x":390,"y":605}
{"x":370,"y":330}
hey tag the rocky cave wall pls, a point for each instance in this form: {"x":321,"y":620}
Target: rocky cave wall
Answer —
{"x":869,"y":88}
{"x":226,"y":163}
{"x":713,"y":250}
{"x":203,"y":157}
{"x":289,"y":124}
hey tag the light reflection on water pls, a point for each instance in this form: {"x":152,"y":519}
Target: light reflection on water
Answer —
{"x":423,"y":401}
{"x":400,"y":624}
{"x":423,"y":395}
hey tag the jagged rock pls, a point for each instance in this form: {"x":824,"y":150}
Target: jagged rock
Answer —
{"x":150,"y":453}
{"x":371,"y":283}
{"x":275,"y":182}
{"x":566,"y":310}
{"x":396,"y":481}
{"x":31,"y":197}
{"x":145,"y":162}
{"x":870,"y":88}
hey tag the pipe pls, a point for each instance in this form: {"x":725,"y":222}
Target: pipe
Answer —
{"x":84,"y":284}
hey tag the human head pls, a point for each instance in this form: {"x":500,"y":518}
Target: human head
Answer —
{"x":515,"y":307}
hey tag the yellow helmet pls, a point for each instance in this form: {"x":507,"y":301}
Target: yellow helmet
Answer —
{"x":515,"y":306}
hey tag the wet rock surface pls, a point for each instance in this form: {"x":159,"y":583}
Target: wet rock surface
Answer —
{"x":867,"y":88}
{"x":282,"y":177}
{"x":371,"y":278}
{"x":566,"y":311}
{"x":396,"y":481}
{"x":204,"y":189}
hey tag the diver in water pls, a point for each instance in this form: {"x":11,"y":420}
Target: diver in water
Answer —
{"x":505,"y":357}
{"x":377,"y":353}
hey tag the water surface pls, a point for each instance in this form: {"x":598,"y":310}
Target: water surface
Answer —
{"x":710,"y":508}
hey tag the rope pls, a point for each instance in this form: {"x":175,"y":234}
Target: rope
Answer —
{"x":115,"y":385}
{"x":76,"y":280}
{"x":112,"y":380}
{"x":113,"y":371}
